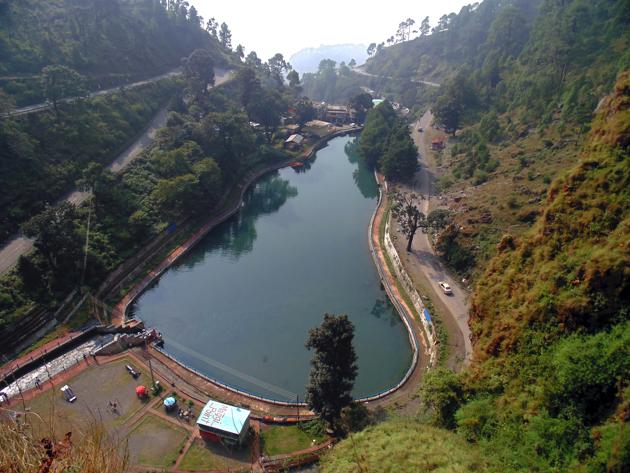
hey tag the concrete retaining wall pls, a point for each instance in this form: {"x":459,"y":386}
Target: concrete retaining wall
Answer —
{"x":120,"y":343}
{"x":405,"y":280}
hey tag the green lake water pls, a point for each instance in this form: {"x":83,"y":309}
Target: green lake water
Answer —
{"x":239,"y":305}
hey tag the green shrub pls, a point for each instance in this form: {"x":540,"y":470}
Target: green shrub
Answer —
{"x":441,"y":394}
{"x":477,"y":419}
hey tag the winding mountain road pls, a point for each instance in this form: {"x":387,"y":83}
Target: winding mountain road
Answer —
{"x":362,"y":72}
{"x":38,"y":107}
{"x":424,"y":265}
{"x":20,"y":245}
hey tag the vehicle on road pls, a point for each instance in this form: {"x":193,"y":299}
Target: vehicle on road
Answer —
{"x":68,"y":393}
{"x":420,"y":129}
{"x":446,"y":289}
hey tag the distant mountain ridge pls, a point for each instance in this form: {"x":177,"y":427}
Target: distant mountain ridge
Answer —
{"x":308,"y":59}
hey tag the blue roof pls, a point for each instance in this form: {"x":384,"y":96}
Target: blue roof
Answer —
{"x":427,"y":315}
{"x":223,"y":417}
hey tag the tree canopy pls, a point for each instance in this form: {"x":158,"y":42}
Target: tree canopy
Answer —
{"x":333,"y":367}
{"x":198,"y":71}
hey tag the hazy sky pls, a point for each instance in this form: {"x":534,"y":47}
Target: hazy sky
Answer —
{"x":270,"y":26}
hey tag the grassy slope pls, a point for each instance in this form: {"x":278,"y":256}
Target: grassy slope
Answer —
{"x":398,"y":446}
{"x":510,"y":197}
{"x":572,"y":269}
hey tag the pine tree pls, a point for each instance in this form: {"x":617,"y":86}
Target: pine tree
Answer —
{"x":334,"y":368}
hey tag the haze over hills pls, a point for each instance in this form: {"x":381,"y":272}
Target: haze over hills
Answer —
{"x":308,"y":59}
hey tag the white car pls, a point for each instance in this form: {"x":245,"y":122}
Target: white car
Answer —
{"x":446,"y":289}
{"x":68,"y":393}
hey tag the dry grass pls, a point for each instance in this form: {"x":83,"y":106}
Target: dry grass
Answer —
{"x":92,"y":451}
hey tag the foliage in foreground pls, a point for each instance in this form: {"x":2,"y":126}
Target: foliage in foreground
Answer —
{"x":92,"y":451}
{"x":404,"y":445}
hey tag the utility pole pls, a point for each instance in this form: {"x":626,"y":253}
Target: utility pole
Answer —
{"x":298,"y":408}
{"x":87,"y":237}
{"x":146,"y":347}
{"x":151,"y":371}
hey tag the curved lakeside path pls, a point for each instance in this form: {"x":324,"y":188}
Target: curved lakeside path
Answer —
{"x":400,"y":394}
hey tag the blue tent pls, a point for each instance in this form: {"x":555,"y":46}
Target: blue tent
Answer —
{"x":169,"y":401}
{"x":427,"y":315}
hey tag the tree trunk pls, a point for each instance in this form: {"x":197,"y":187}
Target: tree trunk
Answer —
{"x":410,"y":240}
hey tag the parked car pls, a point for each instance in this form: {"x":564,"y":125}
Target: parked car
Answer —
{"x":420,"y":129}
{"x":68,"y":393}
{"x":446,"y":289}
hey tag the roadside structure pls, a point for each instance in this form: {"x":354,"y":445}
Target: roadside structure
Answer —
{"x":294,"y":142}
{"x":222,"y":422}
{"x":337,"y":114}
{"x":438,"y":143}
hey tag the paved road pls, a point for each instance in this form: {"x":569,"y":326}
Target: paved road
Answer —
{"x":38,"y":107}
{"x":417,"y":81}
{"x":20,"y":245}
{"x":427,"y":265}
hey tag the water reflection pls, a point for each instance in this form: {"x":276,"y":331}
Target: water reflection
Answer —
{"x":384,"y":308}
{"x":362,"y":175}
{"x":265,"y":198}
{"x":237,"y":235}
{"x":302,"y":166}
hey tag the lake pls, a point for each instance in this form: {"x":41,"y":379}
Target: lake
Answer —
{"x":239,"y":305}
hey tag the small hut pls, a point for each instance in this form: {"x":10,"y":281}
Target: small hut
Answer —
{"x":294,"y":142}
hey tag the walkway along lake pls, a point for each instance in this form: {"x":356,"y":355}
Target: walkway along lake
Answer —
{"x":239,"y":305}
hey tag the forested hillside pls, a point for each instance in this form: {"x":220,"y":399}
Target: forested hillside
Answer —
{"x":195,"y":164}
{"x":536,"y":176}
{"x":332,"y":82}
{"x":548,"y":388}
{"x":490,"y":27}
{"x":43,"y":154}
{"x":65,"y":48}
{"x":520,"y":81}
{"x":108,"y":41}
